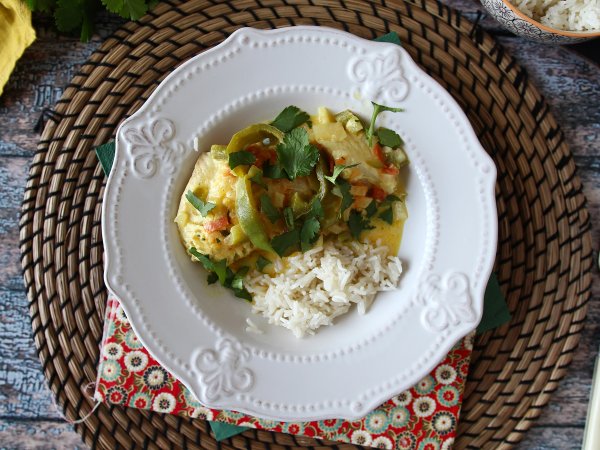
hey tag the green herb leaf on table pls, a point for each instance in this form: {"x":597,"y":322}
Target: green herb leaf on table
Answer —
{"x":241,"y":158}
{"x":203,"y":207}
{"x":357,"y":224}
{"x":261,"y":263}
{"x":337,"y":171}
{"x":128,"y":9}
{"x":296,"y":155}
{"x":290,"y":118}
{"x":283,"y":242}
{"x":268,"y":209}
{"x":68,"y":15}
{"x":389,"y":138}
{"x":309,"y":233}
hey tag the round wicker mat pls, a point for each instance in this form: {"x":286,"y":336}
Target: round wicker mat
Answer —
{"x":544,"y":254}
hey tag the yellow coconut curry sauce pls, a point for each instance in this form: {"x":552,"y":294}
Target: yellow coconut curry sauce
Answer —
{"x":281,"y":187}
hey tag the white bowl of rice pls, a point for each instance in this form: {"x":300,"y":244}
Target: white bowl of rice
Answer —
{"x":548,"y":21}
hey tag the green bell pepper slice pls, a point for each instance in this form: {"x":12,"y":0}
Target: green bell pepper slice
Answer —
{"x":248,"y":215}
{"x":250,"y":135}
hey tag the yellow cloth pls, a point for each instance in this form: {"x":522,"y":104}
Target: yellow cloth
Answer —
{"x":16,"y":34}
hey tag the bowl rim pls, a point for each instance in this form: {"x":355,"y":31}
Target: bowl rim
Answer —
{"x":575,"y":34}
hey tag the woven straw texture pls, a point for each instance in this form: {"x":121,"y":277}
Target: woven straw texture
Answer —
{"x":544,"y":254}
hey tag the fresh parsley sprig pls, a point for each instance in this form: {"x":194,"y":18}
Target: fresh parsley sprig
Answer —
{"x":337,"y":171}
{"x":389,"y":138}
{"x":357,"y":224}
{"x":268,"y":209}
{"x":219,"y":271}
{"x":203,"y":207}
{"x":377,"y":109}
{"x":290,"y":118}
{"x":78,"y":16}
{"x":296,"y":154}
{"x":342,"y":189}
{"x":241,"y":158}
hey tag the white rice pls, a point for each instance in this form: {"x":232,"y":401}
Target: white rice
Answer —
{"x":571,"y":15}
{"x":252,"y":328}
{"x":312,"y":288}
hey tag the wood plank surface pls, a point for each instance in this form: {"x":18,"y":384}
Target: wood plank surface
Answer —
{"x":28,"y":417}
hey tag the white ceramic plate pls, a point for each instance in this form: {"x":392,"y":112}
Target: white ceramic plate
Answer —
{"x":197,"y":331}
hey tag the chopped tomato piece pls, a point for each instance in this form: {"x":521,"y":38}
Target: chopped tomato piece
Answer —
{"x":262,"y":154}
{"x":217,"y":225}
{"x":379,"y":153}
{"x":391,"y":170}
{"x":378,"y":194}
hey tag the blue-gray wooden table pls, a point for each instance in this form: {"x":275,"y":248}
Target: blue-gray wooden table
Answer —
{"x":569,"y":81}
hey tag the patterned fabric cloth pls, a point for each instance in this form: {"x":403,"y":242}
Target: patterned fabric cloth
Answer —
{"x":421,"y":418}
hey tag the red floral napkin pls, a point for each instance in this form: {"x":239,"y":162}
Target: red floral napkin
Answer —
{"x":422,"y":418}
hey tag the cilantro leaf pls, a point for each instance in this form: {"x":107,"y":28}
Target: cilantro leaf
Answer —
{"x":290,"y":118}
{"x":389,"y":138}
{"x":357,"y":224}
{"x":389,"y":199}
{"x":283,"y":242}
{"x":243,"y":293}
{"x":377,"y":109}
{"x":204,"y":260}
{"x":273,"y":171}
{"x":337,"y":171}
{"x":201,"y":206}
{"x":212,"y":278}
{"x":68,"y":15}
{"x":309,"y":233}
{"x":220,"y":268}
{"x":387,"y":215}
{"x":258,"y":179}
{"x":241,"y":158}
{"x":296,"y":154}
{"x":371,"y":209}
{"x":41,"y":5}
{"x":347,"y":198}
{"x":288,"y":216}
{"x":316,"y":209}
{"x":218,"y":271}
{"x":238,"y":279}
{"x":132,"y":9}
{"x":87,"y":27}
{"x":114,"y":6}
{"x":262,"y":262}
{"x":268,"y":209}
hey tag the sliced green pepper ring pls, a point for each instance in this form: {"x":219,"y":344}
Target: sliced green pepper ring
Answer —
{"x":250,"y":135}
{"x":248,"y":215}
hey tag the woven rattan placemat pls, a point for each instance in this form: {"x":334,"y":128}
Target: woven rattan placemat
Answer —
{"x":544,"y":253}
